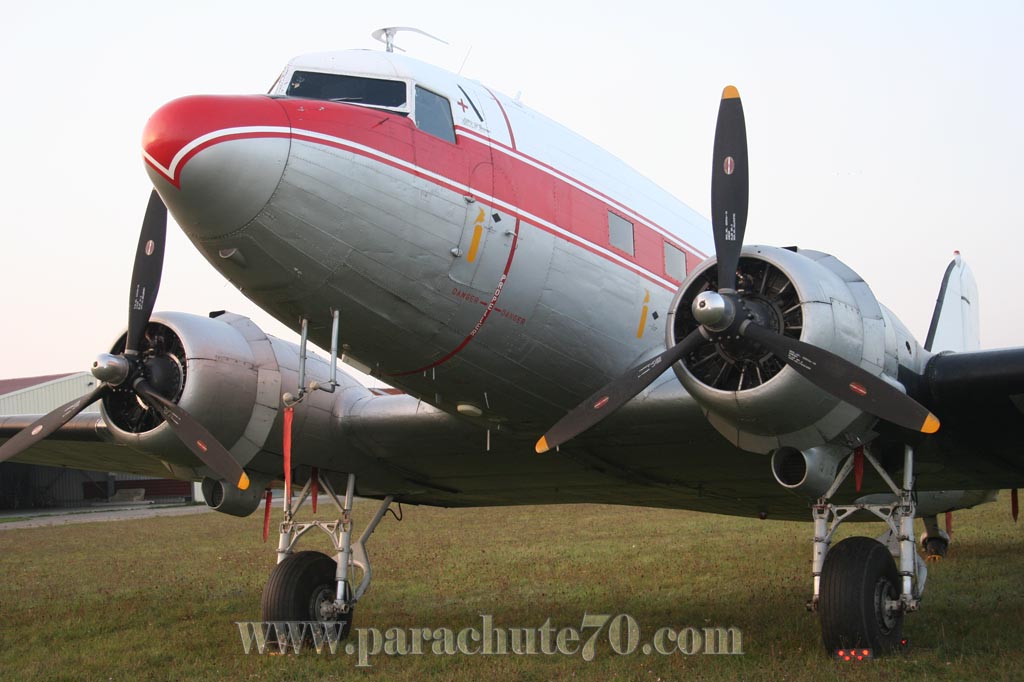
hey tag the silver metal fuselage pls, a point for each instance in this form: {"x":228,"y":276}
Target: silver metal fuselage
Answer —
{"x":473,"y":273}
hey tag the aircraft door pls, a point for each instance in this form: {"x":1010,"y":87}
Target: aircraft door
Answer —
{"x":488,"y":231}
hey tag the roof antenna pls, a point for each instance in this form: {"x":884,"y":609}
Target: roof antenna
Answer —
{"x":387,"y":36}
{"x":465,"y":59}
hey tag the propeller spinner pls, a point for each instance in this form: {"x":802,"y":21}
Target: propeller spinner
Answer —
{"x":731,"y":313}
{"x":130,"y":368}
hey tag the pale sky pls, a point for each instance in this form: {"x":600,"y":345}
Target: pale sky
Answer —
{"x":886,"y":133}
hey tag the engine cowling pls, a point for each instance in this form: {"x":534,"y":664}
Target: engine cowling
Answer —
{"x":230,"y":376}
{"x":750,"y":396}
{"x":221,"y":369}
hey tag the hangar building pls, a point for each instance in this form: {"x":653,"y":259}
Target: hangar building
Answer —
{"x":26,"y":486}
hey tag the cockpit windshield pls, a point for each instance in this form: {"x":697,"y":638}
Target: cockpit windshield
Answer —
{"x":374,"y":92}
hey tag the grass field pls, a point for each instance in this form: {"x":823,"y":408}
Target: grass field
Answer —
{"x":158,"y":598}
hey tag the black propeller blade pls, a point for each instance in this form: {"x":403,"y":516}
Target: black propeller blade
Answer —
{"x":130,"y":368}
{"x":615,"y":394}
{"x":717,"y":313}
{"x":195,"y":436}
{"x":149,"y":264}
{"x":729,"y":187}
{"x":845,"y":380}
{"x":47,"y":424}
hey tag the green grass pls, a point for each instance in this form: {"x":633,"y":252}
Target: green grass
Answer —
{"x":158,"y":598}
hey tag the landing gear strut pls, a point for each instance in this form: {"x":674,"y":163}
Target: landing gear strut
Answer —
{"x":311,"y":586}
{"x":860,"y":593}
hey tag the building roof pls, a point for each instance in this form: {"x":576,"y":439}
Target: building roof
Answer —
{"x":12,"y":385}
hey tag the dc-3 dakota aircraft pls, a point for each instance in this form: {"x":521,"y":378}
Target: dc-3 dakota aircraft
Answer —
{"x":516,"y":282}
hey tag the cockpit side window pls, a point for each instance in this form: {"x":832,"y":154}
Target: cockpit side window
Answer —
{"x":434,"y":115}
{"x":354,"y":89}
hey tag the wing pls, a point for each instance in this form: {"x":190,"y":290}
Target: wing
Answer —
{"x":659,"y":450}
{"x":85,"y":443}
{"x":979,"y":397}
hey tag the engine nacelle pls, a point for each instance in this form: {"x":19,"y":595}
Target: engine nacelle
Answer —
{"x":230,"y":376}
{"x":754,"y":399}
{"x":222,"y":370}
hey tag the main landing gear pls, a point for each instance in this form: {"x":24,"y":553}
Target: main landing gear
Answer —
{"x":860,"y":593}
{"x":311,"y":586}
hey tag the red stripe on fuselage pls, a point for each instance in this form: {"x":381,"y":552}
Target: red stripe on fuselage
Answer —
{"x":546,"y":192}
{"x":543,"y":191}
{"x":670,"y":237}
{"x":523,"y":186}
{"x":507,"y":208}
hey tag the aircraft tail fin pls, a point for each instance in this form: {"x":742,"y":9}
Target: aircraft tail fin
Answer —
{"x":954,"y":324}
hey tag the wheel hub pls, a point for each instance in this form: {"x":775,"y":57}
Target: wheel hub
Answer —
{"x":887,"y":608}
{"x":321,"y":604}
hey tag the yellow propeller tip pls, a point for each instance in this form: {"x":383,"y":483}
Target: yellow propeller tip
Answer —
{"x":243,"y":482}
{"x":931,"y":424}
{"x":730,"y":92}
{"x":542,"y":446}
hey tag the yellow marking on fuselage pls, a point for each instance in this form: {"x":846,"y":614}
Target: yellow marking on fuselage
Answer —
{"x":478,"y":230}
{"x":643,"y":315}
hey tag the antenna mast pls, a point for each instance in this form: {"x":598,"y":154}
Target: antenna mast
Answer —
{"x":387,"y":36}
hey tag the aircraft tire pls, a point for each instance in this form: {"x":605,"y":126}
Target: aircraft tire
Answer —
{"x":858,"y":575}
{"x":298,"y":585}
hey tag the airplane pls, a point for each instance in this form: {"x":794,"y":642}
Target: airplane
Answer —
{"x":526,"y":294}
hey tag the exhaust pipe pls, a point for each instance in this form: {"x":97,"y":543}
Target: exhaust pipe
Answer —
{"x":807,"y":472}
{"x":228,"y":499}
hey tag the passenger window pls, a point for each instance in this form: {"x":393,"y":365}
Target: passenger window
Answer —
{"x":434,"y":115}
{"x":675,"y":262}
{"x":620,"y":233}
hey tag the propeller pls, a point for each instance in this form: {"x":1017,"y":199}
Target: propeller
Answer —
{"x":130,"y":368}
{"x":616,"y":394}
{"x":149,"y":265}
{"x":729,"y":187}
{"x":727,"y":313}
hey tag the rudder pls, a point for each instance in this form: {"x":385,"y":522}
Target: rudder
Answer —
{"x":954,"y":324}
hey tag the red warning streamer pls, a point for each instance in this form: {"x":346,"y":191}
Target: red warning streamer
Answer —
{"x":289,"y":414}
